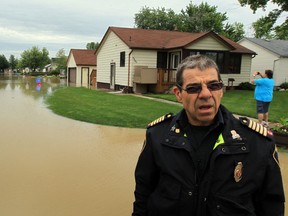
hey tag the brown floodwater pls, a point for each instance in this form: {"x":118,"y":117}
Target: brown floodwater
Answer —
{"x":51,"y":165}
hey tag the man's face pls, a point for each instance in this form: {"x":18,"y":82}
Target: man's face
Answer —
{"x":202,"y":107}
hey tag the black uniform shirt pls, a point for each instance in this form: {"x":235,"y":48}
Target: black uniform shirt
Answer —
{"x":202,"y":139}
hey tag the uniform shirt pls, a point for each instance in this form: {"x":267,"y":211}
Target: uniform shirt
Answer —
{"x":240,"y":177}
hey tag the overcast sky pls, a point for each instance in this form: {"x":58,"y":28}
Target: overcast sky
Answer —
{"x":57,"y":24}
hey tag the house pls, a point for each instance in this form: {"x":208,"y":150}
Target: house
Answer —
{"x":146,"y":60}
{"x":81,"y":64}
{"x":271,"y":54}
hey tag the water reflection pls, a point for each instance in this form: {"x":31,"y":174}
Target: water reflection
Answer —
{"x":51,"y":165}
{"x":37,"y":87}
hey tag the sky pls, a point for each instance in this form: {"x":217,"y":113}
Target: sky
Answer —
{"x":71,"y":24}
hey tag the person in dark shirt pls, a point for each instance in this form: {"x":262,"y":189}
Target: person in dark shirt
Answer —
{"x":203,"y":161}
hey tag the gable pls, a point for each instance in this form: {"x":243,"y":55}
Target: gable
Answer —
{"x":208,"y":43}
{"x":83,"y":57}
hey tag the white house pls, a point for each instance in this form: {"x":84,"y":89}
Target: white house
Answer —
{"x":146,"y":60}
{"x":271,"y":54}
{"x":80,"y":65}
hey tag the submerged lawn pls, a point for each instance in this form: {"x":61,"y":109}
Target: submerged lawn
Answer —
{"x":106,"y":108}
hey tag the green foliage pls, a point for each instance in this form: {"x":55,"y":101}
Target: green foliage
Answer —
{"x":202,"y":18}
{"x":266,"y":27}
{"x":284,"y":85}
{"x":4,"y":64}
{"x":282,"y":126}
{"x":160,"y":19}
{"x":194,"y":18}
{"x":246,"y":86}
{"x":92,"y":46}
{"x":34,"y":58}
{"x":60,"y":61}
{"x":13,"y":62}
{"x":234,"y":31}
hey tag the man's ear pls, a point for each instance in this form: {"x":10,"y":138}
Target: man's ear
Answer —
{"x":177,"y":93}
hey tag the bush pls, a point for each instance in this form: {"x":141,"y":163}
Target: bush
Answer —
{"x":284,"y":85}
{"x":246,"y":86}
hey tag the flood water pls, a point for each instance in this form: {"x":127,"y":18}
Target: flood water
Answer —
{"x":51,"y":165}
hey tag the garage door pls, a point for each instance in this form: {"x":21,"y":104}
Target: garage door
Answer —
{"x":85,"y":76}
{"x":72,"y":75}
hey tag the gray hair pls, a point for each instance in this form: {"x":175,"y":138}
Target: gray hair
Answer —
{"x":195,"y":61}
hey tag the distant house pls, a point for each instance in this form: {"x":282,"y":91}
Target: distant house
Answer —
{"x":271,"y":54}
{"x":80,"y":64}
{"x":146,"y":60}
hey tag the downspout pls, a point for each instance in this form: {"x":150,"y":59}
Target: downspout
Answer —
{"x":129,"y":68}
{"x":274,"y":62}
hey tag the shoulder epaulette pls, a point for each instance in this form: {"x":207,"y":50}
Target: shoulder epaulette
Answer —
{"x":161,"y":119}
{"x":255,"y":126}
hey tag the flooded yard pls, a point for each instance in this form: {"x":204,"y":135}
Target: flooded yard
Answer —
{"x":54,"y":166}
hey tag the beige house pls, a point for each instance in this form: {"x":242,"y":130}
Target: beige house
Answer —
{"x":271,"y":54}
{"x":146,"y":60}
{"x":81,"y":65}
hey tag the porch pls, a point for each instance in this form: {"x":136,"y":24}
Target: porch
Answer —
{"x":154,"y":80}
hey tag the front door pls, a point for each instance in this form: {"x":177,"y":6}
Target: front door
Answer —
{"x":112,"y":75}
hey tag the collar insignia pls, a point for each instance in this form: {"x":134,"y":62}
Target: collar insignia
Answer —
{"x":235,"y":135}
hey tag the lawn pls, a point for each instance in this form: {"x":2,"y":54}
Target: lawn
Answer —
{"x":126,"y":110}
{"x":243,"y":103}
{"x":104,"y":108}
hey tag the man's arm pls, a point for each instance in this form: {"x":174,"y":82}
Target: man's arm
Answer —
{"x":146,"y":177}
{"x":272,"y":197}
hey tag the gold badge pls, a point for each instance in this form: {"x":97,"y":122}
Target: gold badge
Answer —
{"x":238,"y":171}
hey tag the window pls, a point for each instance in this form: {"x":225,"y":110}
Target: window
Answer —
{"x":234,"y":66}
{"x":122,"y":59}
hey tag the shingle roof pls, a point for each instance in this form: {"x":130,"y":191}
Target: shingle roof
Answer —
{"x":84,"y":56}
{"x":159,"y":39}
{"x":279,"y":47}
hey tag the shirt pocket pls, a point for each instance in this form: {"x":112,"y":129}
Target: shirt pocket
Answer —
{"x":165,"y":199}
{"x":226,"y":205}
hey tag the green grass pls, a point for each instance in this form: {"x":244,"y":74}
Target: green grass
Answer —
{"x":243,"y":103}
{"x":134,"y":112}
{"x":107,"y":109}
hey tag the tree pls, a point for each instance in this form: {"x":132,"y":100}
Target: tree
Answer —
{"x":234,"y":31}
{"x":202,"y":18}
{"x":160,"y":19}
{"x":266,"y":27}
{"x":34,"y":58}
{"x":61,"y":60}
{"x":4,"y":64}
{"x":194,"y":18}
{"x":92,"y":46}
{"x":13,"y":62}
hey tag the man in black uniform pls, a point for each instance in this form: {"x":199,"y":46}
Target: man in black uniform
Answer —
{"x":203,"y":161}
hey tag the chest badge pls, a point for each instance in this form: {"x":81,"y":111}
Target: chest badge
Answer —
{"x":238,"y":171}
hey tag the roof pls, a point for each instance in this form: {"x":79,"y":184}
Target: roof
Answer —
{"x":279,"y":47}
{"x":84,"y":57}
{"x":136,"y":38}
